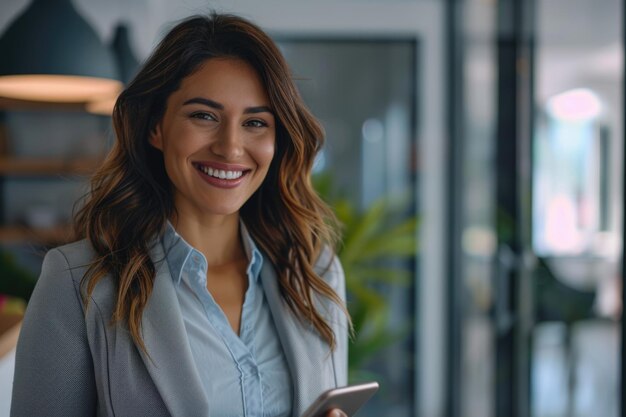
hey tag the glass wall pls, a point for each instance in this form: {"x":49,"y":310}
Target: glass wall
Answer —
{"x":363,"y":92}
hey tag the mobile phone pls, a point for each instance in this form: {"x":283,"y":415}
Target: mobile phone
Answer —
{"x":349,"y":399}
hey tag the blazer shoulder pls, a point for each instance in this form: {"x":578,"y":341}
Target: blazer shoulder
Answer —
{"x":78,"y":257}
{"x":77,"y":253}
{"x":65,"y":260}
{"x":56,"y":293}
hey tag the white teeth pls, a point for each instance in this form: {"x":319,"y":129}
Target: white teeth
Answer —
{"x":221,"y":174}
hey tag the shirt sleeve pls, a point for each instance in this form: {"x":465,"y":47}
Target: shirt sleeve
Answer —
{"x":53,"y":366}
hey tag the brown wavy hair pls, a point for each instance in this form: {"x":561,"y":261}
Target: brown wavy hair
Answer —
{"x":131,"y":200}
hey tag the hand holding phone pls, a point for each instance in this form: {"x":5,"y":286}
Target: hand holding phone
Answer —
{"x":348,"y":399}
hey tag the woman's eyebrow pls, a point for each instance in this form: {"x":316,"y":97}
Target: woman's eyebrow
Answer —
{"x":207,"y":102}
{"x":258,"y":109}
{"x":215,"y":105}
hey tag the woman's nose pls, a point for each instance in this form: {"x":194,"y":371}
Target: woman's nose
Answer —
{"x":228,"y":142}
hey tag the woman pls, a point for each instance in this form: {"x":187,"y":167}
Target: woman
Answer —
{"x":204,"y":283}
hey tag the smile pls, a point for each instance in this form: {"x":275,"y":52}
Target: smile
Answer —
{"x":229,"y":177}
{"x":220,"y":173}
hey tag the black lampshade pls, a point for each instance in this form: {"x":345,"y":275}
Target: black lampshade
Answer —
{"x":127,"y":64}
{"x":50,"y":53}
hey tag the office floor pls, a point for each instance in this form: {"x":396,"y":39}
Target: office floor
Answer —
{"x":579,"y":381}
{"x":591,"y":388}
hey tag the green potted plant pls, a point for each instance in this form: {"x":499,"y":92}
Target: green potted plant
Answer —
{"x":15,"y":281}
{"x":375,"y":245}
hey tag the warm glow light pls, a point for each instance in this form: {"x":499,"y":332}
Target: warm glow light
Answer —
{"x":57,"y":88}
{"x":103,"y":107}
{"x":479,"y":241}
{"x":575,"y":105}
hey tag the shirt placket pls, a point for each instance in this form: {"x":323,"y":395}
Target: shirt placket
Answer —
{"x":241,"y":348}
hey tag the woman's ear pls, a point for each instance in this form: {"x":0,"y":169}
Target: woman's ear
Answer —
{"x":156,"y":137}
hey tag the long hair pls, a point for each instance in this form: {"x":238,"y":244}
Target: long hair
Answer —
{"x":131,"y":197}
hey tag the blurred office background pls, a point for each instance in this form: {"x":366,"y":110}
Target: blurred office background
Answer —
{"x":474,"y":151}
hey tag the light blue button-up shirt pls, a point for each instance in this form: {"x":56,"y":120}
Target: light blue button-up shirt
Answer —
{"x":245,"y":375}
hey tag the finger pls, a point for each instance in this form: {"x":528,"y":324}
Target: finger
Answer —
{"x":336,"y":413}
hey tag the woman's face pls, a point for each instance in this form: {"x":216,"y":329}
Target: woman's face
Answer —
{"x":217,"y":136}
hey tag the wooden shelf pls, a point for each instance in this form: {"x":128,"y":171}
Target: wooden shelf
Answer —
{"x":48,"y":166}
{"x":25,"y":234}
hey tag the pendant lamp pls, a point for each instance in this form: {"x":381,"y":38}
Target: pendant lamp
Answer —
{"x":127,"y":66}
{"x":49,"y":53}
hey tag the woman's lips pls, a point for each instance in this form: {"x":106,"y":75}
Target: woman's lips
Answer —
{"x":222,"y":175}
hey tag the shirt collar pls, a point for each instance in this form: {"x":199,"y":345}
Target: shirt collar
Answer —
{"x":178,"y":252}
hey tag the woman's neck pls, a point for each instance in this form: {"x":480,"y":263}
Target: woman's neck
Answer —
{"x":216,"y":237}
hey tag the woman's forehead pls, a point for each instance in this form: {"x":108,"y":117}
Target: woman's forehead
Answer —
{"x":232,"y":80}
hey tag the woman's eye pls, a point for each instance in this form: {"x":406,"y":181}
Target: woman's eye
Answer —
{"x":255,"y":123}
{"x":203,"y":116}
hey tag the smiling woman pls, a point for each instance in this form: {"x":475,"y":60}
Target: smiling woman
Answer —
{"x":205,"y":280}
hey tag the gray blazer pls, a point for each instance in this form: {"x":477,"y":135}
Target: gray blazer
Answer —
{"x":72,"y":362}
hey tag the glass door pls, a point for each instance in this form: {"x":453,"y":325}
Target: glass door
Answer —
{"x":536,"y":201}
{"x":489,"y":131}
{"x":577,"y":209}
{"x":473,"y":201}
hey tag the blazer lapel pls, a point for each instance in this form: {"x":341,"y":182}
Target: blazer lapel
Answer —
{"x":170,"y":361}
{"x":308,"y":356}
